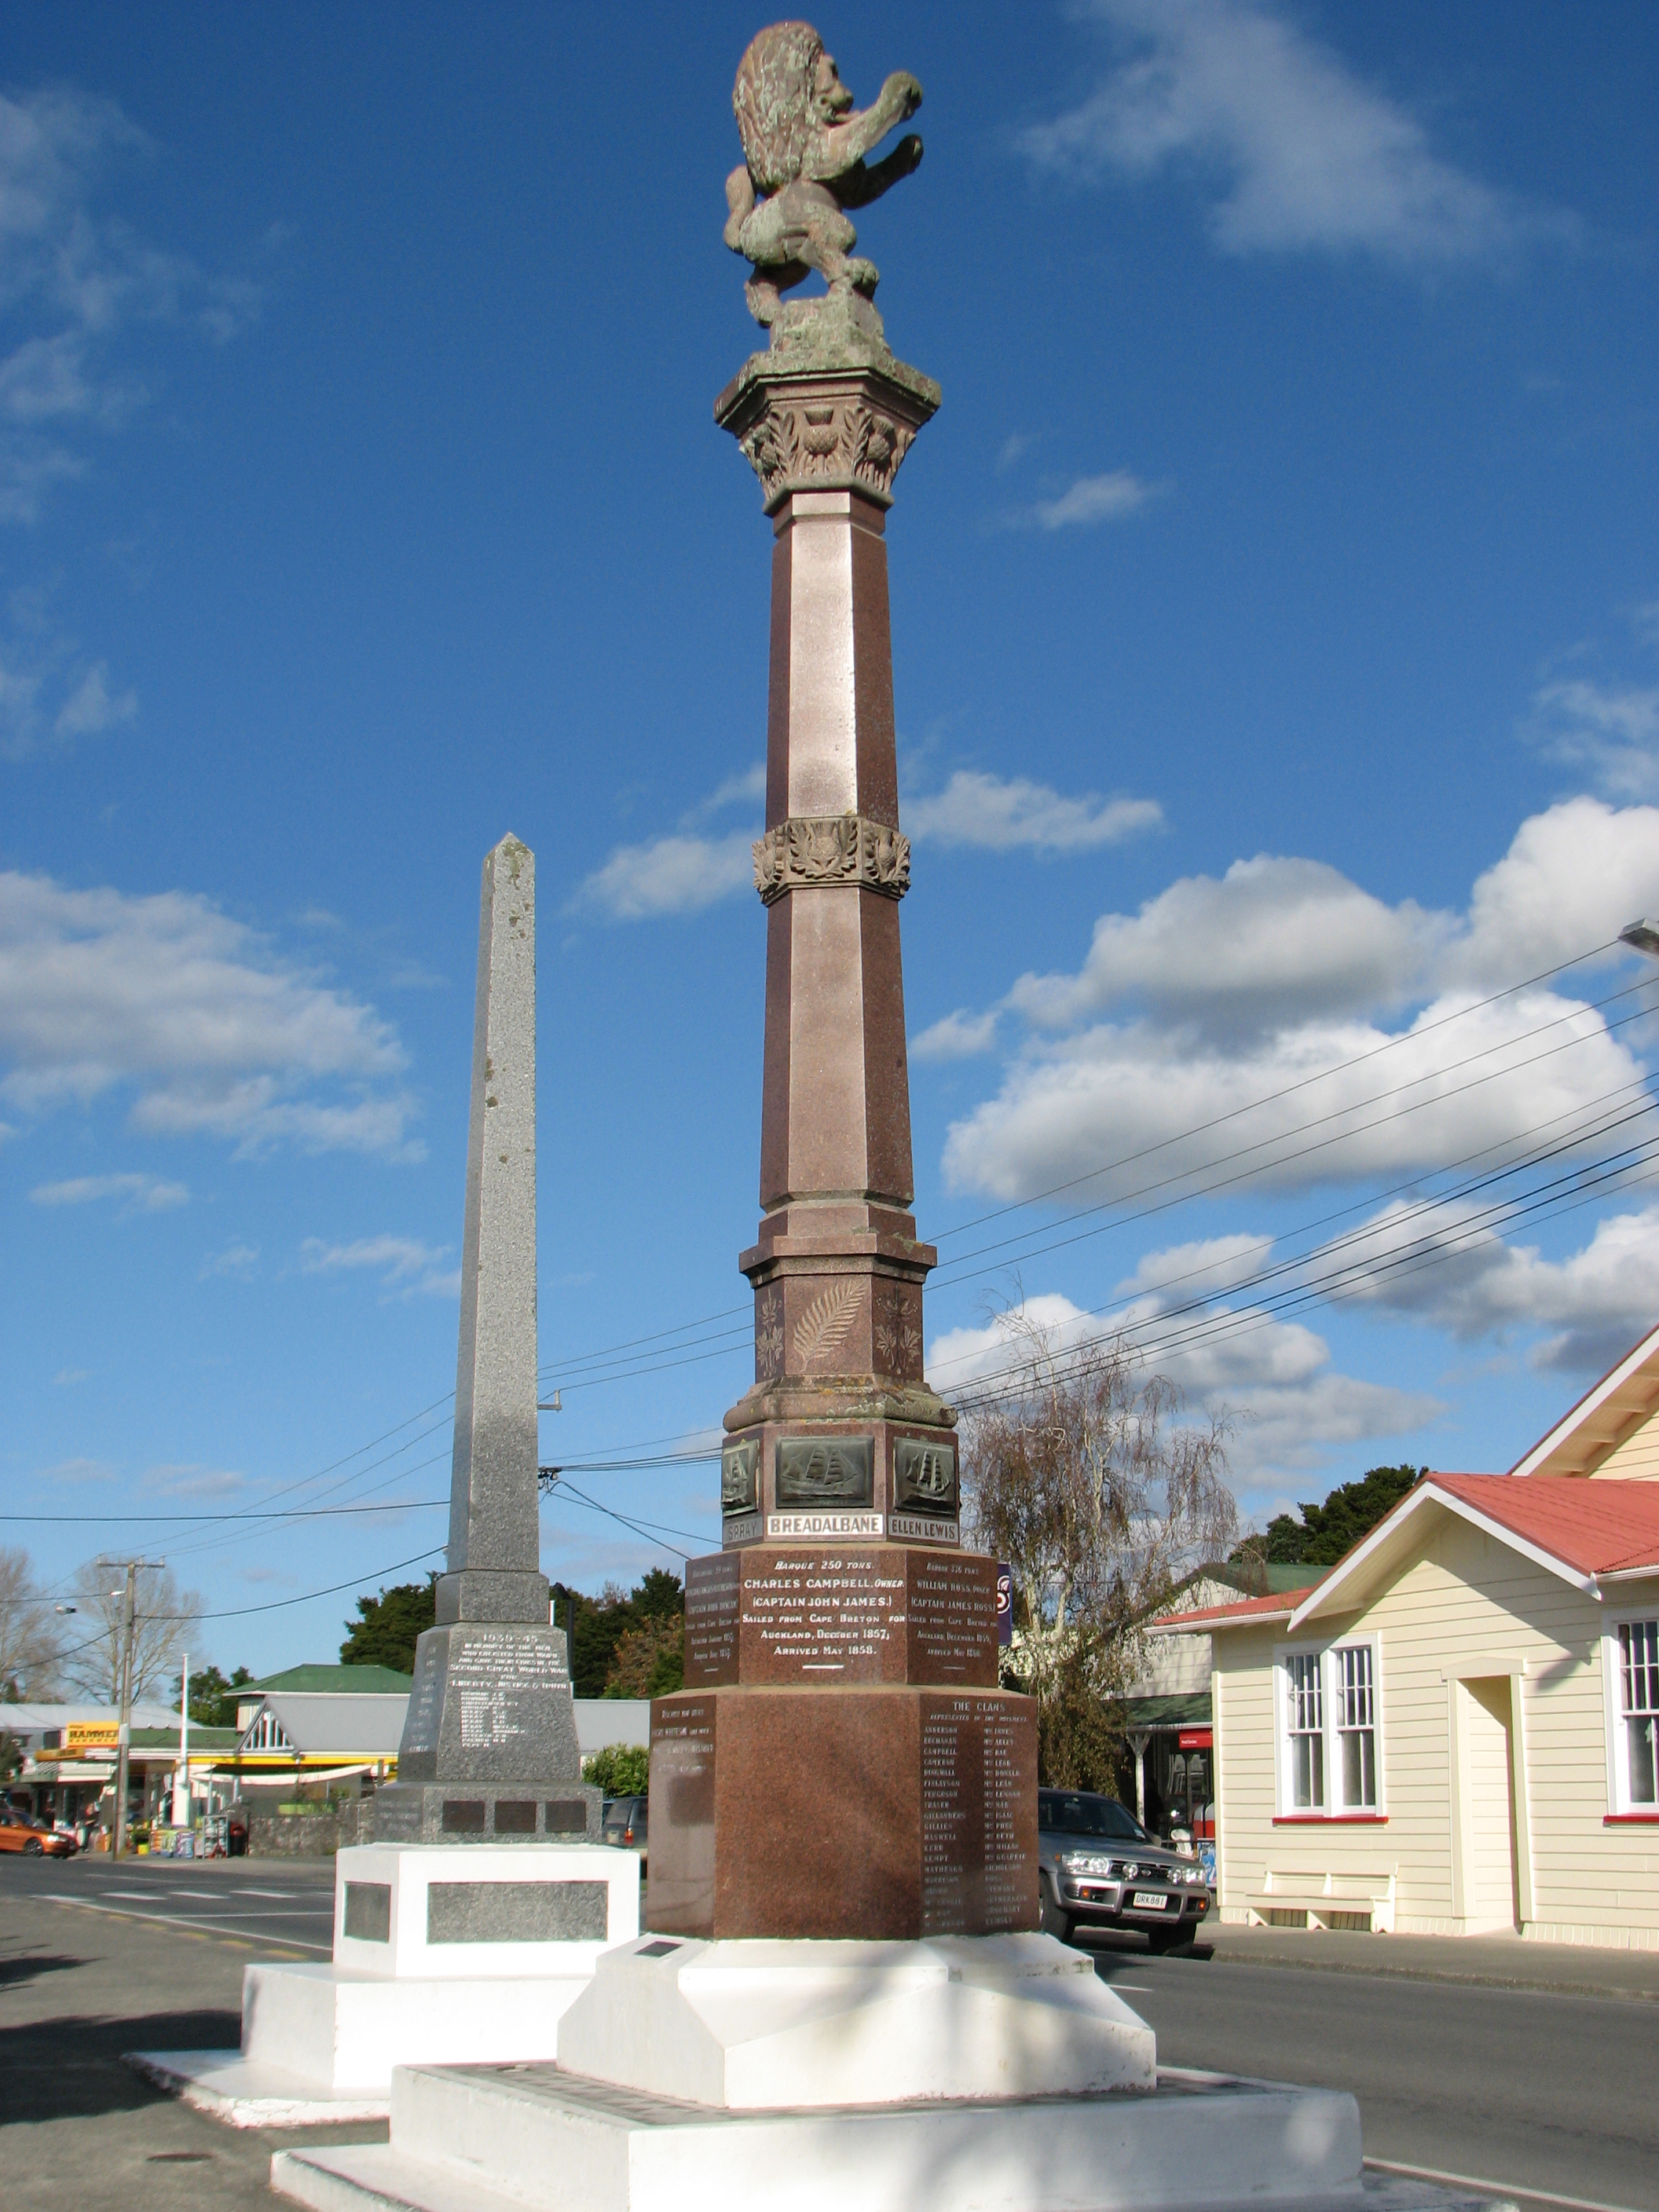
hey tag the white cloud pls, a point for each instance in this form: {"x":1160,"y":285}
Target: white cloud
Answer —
{"x":1448,"y":1267}
{"x":190,"y":1479}
{"x":1612,"y":730}
{"x":685,"y":871}
{"x":960,"y":1035}
{"x":237,"y":1260}
{"x":214,"y":1032}
{"x":1273,"y":1377}
{"x":1572,"y":879}
{"x":1095,"y":499}
{"x":1205,"y":1267}
{"x":401,"y":1263}
{"x":145,"y":1194}
{"x":1220,"y":996}
{"x":1003,"y":814}
{"x":89,"y":709}
{"x":678,"y":874}
{"x":77,"y":1471}
{"x":66,"y":1377}
{"x":1275,"y":940}
{"x":1291,"y":150}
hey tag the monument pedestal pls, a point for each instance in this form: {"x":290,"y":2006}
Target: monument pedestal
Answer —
{"x":441,"y":1957}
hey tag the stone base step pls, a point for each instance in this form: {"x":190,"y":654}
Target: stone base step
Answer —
{"x":228,"y":2087}
{"x":537,"y":2136}
{"x":377,"y":2177}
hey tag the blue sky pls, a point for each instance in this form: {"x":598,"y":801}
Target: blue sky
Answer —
{"x":1276,"y":620}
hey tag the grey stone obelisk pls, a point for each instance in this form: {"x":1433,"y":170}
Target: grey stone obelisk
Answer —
{"x":490,"y":1751}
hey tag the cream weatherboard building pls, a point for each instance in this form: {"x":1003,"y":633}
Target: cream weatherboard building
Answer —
{"x":1454,"y":1730}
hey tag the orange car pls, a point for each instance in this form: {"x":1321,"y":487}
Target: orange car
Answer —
{"x":19,"y":1833}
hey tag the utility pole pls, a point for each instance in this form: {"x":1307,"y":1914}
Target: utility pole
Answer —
{"x":124,"y":1739}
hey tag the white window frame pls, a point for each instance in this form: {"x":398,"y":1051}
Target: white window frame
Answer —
{"x":1612,"y":1697}
{"x":1331,"y":1732}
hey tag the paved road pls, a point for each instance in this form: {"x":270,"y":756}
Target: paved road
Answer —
{"x":284,"y":1907}
{"x":160,"y":1968}
{"x":1537,"y":2094}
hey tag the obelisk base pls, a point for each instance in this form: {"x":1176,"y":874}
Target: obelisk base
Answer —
{"x":440,"y":1958}
{"x":489,"y":1752}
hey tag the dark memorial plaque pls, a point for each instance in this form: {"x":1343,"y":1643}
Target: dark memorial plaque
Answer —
{"x":858,"y":1612}
{"x":711,"y":1619}
{"x":978,"y":1815}
{"x":952,"y":1618}
{"x":682,"y":1857}
{"x":916,"y":1809}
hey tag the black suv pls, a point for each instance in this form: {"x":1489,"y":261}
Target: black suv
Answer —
{"x":1098,"y":1868}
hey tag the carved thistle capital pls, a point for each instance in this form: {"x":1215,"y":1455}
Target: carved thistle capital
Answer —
{"x":844,"y":430}
{"x":810,"y":849}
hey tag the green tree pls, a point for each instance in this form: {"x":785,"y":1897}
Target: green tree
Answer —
{"x":621,"y":1770}
{"x":596,"y":1627}
{"x":650,"y":1660}
{"x":1326,"y":1533}
{"x":384,"y":1633}
{"x":212,"y":1698}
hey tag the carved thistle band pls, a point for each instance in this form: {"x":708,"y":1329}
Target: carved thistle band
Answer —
{"x":837,"y":849}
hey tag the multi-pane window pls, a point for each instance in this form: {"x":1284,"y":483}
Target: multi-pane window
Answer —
{"x":1305,"y":1718}
{"x":1638,"y":1700}
{"x":1356,"y":1723}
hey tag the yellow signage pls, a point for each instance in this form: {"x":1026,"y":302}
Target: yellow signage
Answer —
{"x":89,"y":1735}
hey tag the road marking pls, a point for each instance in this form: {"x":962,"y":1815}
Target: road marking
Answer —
{"x":177,"y":1920}
{"x":1144,"y":1988}
{"x":1496,"y":2188}
{"x":264,"y":1892}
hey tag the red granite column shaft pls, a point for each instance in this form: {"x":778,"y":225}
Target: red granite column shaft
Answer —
{"x":840,"y":1668}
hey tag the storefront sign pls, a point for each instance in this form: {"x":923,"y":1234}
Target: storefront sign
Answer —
{"x":1195,"y":1740}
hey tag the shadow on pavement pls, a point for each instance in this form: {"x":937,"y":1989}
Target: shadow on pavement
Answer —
{"x":18,"y":1974}
{"x":71,"y":2069}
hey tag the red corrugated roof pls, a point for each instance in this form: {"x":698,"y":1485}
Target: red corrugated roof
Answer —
{"x":1596,"y":1526}
{"x":1280,"y":1605}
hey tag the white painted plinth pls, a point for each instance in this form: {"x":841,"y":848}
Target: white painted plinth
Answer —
{"x":756,"y":2026}
{"x":402,"y":1877}
{"x":471,"y":2142}
{"x":321,"y":2042}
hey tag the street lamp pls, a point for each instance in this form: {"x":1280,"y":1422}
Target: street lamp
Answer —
{"x":1643,"y":936}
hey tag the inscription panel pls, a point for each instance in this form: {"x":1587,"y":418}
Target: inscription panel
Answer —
{"x":840,"y":1613}
{"x":828,"y":1616}
{"x":978,"y":1814}
{"x":711,"y":1620}
{"x":952,"y":1618}
{"x":500,"y":1679}
{"x":680,"y":1868}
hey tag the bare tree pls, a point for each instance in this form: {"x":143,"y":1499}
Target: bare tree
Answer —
{"x":29,"y":1636}
{"x":1082,"y":1475}
{"x":165,"y":1618}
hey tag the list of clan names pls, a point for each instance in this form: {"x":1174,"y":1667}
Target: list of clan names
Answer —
{"x":978,"y":1815}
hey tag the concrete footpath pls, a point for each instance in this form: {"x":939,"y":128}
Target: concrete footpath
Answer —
{"x":78,"y":1986}
{"x":1492,"y":1961}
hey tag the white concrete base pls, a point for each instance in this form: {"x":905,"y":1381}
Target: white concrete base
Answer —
{"x":223,"y":2084}
{"x":478,"y":2141}
{"x":760,"y":2026}
{"x":437,"y":1972}
{"x":401,"y":1910}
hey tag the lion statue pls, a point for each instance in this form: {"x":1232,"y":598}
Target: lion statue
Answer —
{"x":804,"y":165}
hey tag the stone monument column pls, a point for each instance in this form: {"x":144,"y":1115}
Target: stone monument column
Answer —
{"x":489,"y":1750}
{"x":841,"y":1698}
